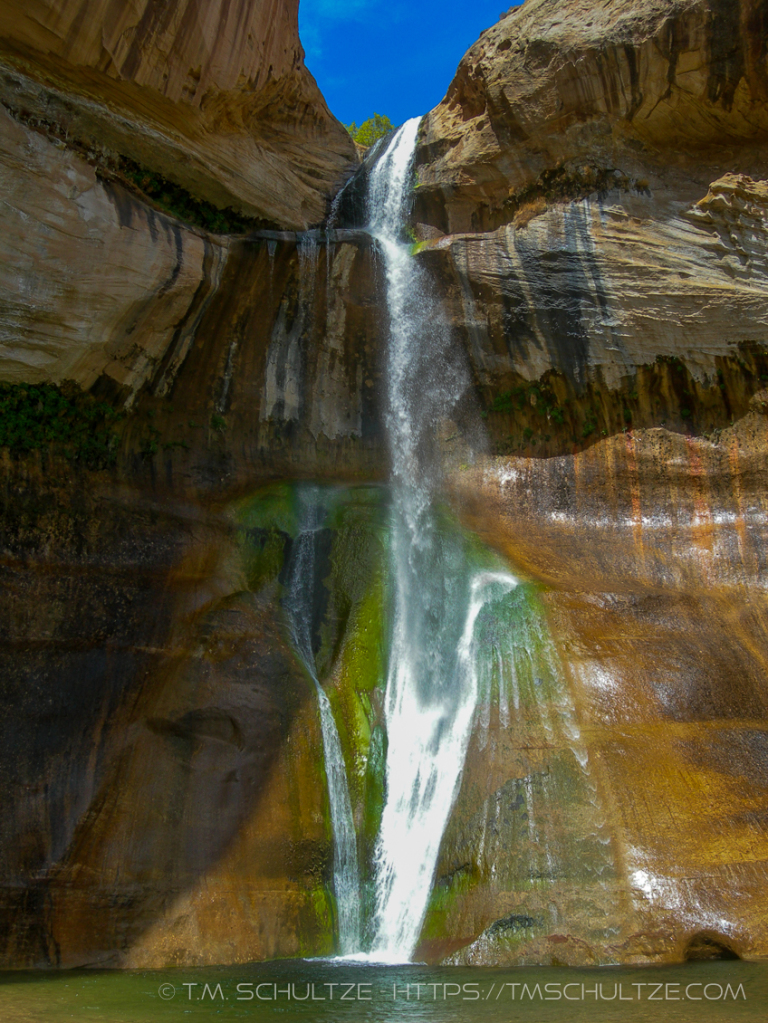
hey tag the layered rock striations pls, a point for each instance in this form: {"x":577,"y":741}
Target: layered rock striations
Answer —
{"x":558,"y":96}
{"x":284,"y":376}
{"x":592,"y":189}
{"x":594,"y":301}
{"x":591,"y":194}
{"x":94,"y":282}
{"x":652,"y":550}
{"x":120,"y":128}
{"x":216,"y":98}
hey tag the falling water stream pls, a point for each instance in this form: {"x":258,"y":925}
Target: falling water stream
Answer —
{"x":439,"y":661}
{"x":299,"y":605}
{"x":432,"y":685}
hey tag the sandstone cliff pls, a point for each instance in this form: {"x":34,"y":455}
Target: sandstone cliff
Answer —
{"x":558,"y":97}
{"x":591,"y":193}
{"x":592,"y":190}
{"x":93,"y":281}
{"x":121,"y":126}
{"x":602,"y":257}
{"x":215,"y":98}
{"x":651,"y":546}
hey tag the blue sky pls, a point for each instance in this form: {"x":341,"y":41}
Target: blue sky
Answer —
{"x":393,"y":57}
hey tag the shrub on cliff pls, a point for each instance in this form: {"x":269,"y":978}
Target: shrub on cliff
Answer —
{"x":181,"y":204}
{"x":370,"y":131}
{"x":65,"y":418}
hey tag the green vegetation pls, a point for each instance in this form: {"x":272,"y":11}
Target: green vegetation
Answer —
{"x":361,"y":669}
{"x":370,"y":131}
{"x":502,"y":402}
{"x":590,"y":423}
{"x":675,"y":362}
{"x":540,"y":397}
{"x":62,"y":417}
{"x":182,"y":204}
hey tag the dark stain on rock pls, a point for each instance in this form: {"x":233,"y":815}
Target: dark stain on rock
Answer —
{"x":25,"y":925}
{"x":671,"y":42}
{"x":707,"y":946}
{"x":175,"y":230}
{"x":173,"y":358}
{"x":726,"y":52}
{"x":740,"y":752}
{"x":755,"y":36}
{"x":512,"y":924}
{"x":198,"y":725}
{"x":506,"y":122}
{"x":316,"y":586}
{"x":609,"y":81}
{"x":559,"y":286}
{"x":124,"y":204}
{"x":636,"y":94}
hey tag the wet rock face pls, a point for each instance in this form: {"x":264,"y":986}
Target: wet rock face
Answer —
{"x":581,"y":313}
{"x":162,"y":756}
{"x":145,"y":743}
{"x":592,"y":193}
{"x":285,"y":375}
{"x":652,"y":548}
{"x":162,"y":750}
{"x":214,"y":98}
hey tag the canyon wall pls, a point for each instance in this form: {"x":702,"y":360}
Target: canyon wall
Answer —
{"x":121,"y":127}
{"x":557,"y":97}
{"x":94,"y":281}
{"x":215,"y":97}
{"x":651,"y":547}
{"x":591,"y":204}
{"x":593,"y":189}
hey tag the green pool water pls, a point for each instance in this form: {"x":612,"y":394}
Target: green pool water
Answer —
{"x":312,"y":990}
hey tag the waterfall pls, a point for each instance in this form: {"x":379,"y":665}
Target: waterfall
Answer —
{"x":432,"y":685}
{"x":459,"y":639}
{"x":299,"y":605}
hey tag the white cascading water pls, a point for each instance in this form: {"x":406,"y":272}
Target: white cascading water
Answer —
{"x":432,"y":684}
{"x":298,"y":604}
{"x":456,"y":636}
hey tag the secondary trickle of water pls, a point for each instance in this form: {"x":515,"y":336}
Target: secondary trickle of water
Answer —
{"x":286,"y":359}
{"x":298,"y":603}
{"x":221,"y":404}
{"x":432,"y":681}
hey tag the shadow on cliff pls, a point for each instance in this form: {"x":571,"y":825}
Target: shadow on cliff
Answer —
{"x":145,"y":699}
